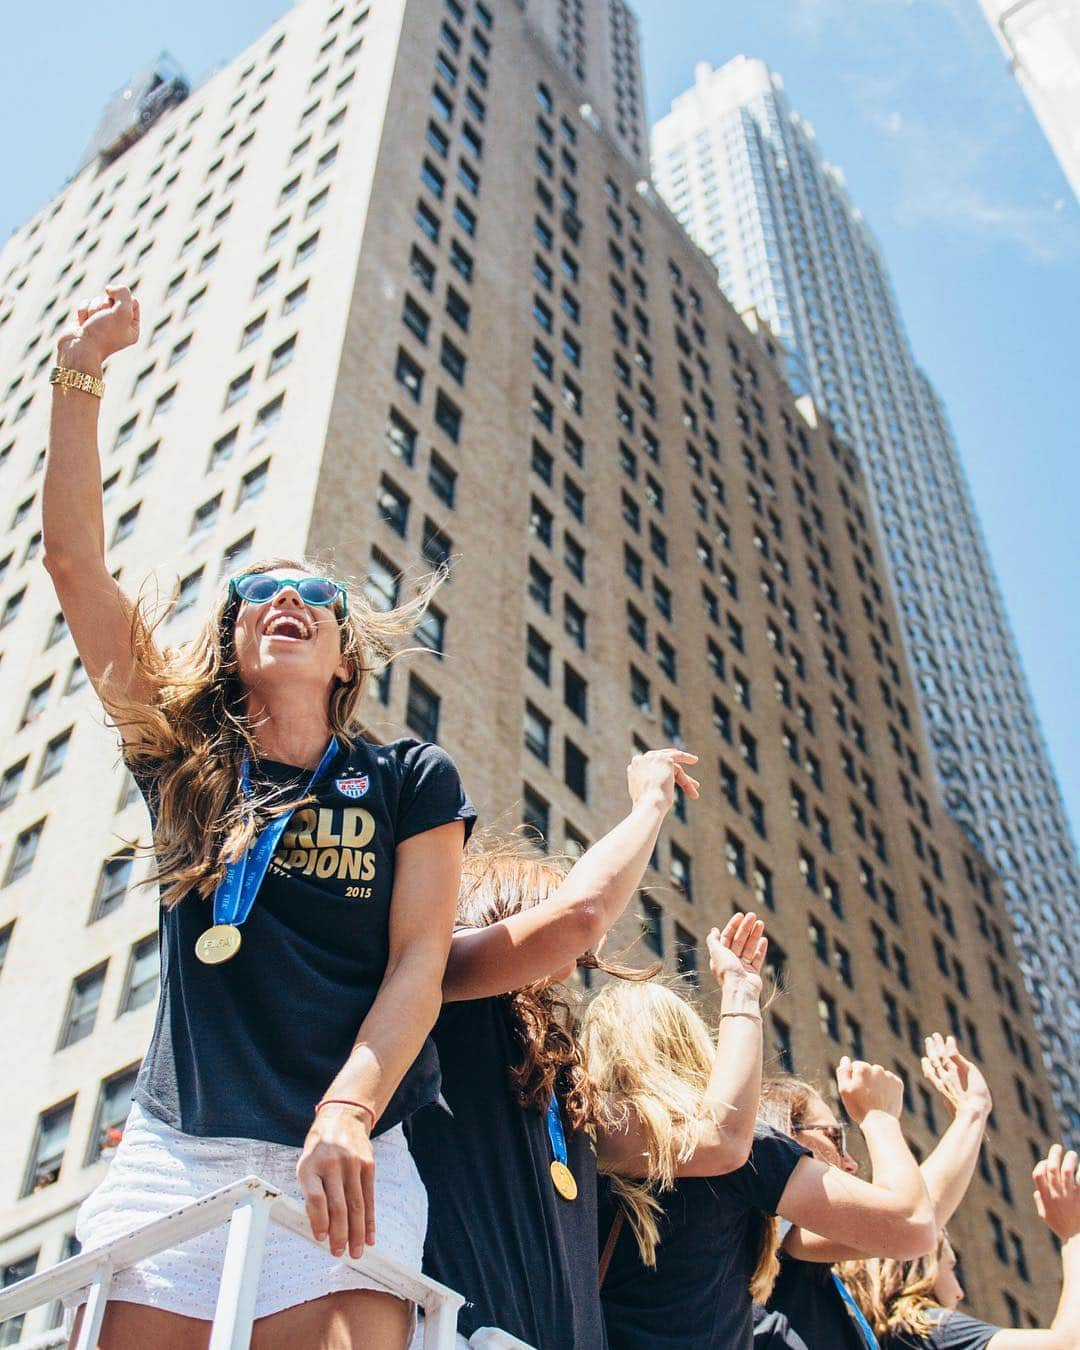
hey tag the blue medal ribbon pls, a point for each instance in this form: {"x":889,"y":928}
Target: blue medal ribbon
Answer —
{"x":555,"y":1130}
{"x":866,"y":1331}
{"x":235,"y":894}
{"x":561,"y":1176}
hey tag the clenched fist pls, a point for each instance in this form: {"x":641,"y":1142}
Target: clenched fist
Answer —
{"x":106,"y":324}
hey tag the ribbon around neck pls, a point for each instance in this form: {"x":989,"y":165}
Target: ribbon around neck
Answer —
{"x":236,"y":891}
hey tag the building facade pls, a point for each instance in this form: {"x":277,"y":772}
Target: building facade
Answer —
{"x":1041,"y":40}
{"x":744,"y":174}
{"x":408,"y":300}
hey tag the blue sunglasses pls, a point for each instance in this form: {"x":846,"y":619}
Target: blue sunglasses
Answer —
{"x":256,"y":588}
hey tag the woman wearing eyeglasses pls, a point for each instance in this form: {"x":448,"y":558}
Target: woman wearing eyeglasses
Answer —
{"x":308,"y":880}
{"x":811,"y":1296}
{"x":809,"y":1305}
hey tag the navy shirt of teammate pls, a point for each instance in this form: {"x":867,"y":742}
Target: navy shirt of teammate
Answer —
{"x":498,"y":1231}
{"x":698,"y":1294}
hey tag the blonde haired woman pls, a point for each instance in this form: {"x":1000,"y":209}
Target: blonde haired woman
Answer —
{"x":308,"y":881}
{"x":699,"y":1235}
{"x":912,"y":1305}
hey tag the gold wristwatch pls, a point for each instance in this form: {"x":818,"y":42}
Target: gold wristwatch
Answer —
{"x":77,"y":379}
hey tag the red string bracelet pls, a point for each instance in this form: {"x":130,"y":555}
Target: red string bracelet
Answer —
{"x":345,"y":1101}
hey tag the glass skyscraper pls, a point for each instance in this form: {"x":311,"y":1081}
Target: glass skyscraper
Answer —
{"x":743,"y":173}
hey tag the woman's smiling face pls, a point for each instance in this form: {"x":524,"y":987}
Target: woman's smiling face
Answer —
{"x":285,"y":642}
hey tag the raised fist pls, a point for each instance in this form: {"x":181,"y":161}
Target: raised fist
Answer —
{"x":867,"y":1087}
{"x":106,"y":324}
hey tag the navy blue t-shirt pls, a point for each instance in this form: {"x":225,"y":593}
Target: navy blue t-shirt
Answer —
{"x":807,"y":1296}
{"x":246,"y":1048}
{"x":951,"y":1331}
{"x":698,"y":1294}
{"x":498,"y":1231}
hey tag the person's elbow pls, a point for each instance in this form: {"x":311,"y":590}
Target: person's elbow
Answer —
{"x":718,"y":1152}
{"x":913,"y":1232}
{"x":587,"y":924}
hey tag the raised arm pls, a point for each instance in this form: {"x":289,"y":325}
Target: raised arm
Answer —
{"x":724,"y":1130}
{"x":547,"y":938}
{"x":1057,"y":1198}
{"x":336,"y":1170}
{"x":73,"y":529}
{"x":839,"y":1217}
{"x":948,"y":1170}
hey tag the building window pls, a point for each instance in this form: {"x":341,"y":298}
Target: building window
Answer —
{"x":682,"y":872}
{"x":112,"y":884}
{"x":23,"y":852}
{"x":47,"y":1152}
{"x":536,"y":814}
{"x":409,"y":375}
{"x":540,"y":585}
{"x":448,"y":417}
{"x":537,"y":655}
{"x":574,"y":621}
{"x":431,"y":629}
{"x":125,"y":525}
{"x":436,"y":547}
{"x":422,"y":709}
{"x":11,"y":781}
{"x":393,"y":505}
{"x":576,"y":693}
{"x":416,"y":318}
{"x":253,"y":482}
{"x":537,"y":733}
{"x":400,"y":437}
{"x":686,"y":954}
{"x":442,"y":479}
{"x":576,"y":770}
{"x":82,"y":1006}
{"x":22,"y":1269}
{"x":114,"y":1103}
{"x":52,"y":761}
{"x":652,"y":928}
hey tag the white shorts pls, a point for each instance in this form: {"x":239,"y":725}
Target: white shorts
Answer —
{"x":157,"y":1169}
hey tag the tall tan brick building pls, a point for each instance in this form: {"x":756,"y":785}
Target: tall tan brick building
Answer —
{"x":406,"y":297}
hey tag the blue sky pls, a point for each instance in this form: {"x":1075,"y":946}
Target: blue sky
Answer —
{"x":912,"y":99}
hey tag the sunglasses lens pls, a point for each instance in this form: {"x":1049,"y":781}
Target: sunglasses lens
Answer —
{"x":256,"y":589}
{"x":317,"y":591}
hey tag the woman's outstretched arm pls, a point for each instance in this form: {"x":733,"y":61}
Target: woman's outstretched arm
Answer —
{"x":549,"y":937}
{"x":838,"y":1216}
{"x":97,"y":611}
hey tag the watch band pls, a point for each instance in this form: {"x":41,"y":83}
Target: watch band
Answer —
{"x":77,"y":379}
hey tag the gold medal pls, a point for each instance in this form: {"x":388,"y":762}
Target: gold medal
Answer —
{"x":218,"y":944}
{"x":564,"y":1181}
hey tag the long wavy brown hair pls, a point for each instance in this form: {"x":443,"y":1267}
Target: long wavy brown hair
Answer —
{"x":188,"y":737}
{"x":896,"y":1297}
{"x":502,"y":876}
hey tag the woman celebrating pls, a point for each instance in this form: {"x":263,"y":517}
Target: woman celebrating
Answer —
{"x":813,"y":1298}
{"x":700,"y":1238}
{"x":308,"y":880}
{"x":912,"y":1306}
{"x":509,"y":1166}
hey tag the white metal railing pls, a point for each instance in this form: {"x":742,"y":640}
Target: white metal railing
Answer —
{"x":248,"y":1206}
